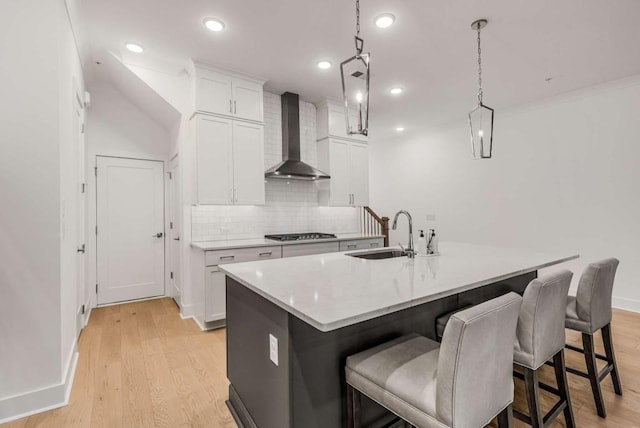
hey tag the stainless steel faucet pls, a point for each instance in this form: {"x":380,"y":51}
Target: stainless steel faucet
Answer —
{"x":410,"y":250}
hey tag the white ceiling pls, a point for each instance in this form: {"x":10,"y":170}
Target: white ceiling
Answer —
{"x":430,"y":50}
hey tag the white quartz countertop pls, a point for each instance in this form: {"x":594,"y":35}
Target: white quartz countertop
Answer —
{"x":334,"y":290}
{"x":261,"y":242}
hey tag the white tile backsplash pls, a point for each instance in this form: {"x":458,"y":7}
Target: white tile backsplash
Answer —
{"x":290,"y":206}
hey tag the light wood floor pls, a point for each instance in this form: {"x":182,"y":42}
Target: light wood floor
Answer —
{"x":141,"y":365}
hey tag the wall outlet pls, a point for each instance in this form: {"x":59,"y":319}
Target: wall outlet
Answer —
{"x":431,"y":217}
{"x":273,"y":349}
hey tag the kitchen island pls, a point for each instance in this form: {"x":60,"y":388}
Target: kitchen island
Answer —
{"x":291,"y":323}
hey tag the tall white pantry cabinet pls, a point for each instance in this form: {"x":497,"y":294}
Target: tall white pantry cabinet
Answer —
{"x":227,"y":130}
{"x":344,"y":157}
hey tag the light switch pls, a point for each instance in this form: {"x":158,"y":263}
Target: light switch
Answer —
{"x":273,"y":349}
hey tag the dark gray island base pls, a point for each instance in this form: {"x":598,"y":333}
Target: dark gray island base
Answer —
{"x":307,"y":389}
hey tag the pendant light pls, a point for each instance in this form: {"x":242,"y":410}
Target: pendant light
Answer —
{"x":355,"y":85}
{"x":481,"y":116}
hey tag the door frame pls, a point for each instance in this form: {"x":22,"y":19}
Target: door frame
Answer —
{"x":95,"y":222}
{"x":174,"y":215}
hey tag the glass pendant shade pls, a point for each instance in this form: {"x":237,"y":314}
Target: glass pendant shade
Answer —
{"x":481,"y":126}
{"x":355,"y":89}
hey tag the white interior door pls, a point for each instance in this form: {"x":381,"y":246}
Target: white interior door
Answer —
{"x":81,"y":268}
{"x":174,"y":229}
{"x":130,"y":229}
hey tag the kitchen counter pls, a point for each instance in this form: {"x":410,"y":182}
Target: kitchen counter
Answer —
{"x":292,"y":323}
{"x":262,"y":242}
{"x":330,"y":291}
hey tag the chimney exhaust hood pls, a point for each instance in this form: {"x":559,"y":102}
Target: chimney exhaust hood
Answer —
{"x":291,"y":167}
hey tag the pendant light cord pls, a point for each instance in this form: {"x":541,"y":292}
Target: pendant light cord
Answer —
{"x":357,"y":18}
{"x":479,"y":68}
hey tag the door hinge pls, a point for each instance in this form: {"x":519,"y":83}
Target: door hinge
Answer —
{"x":82,"y":129}
{"x":96,"y":230}
{"x":82,"y":310}
{"x":96,"y":288}
{"x":170,"y":225}
{"x":95,"y":170}
{"x":171,"y":275}
{"x":170,"y":176}
{"x":83,"y":187}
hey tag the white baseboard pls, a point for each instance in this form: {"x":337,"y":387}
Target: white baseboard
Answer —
{"x":626,"y":304}
{"x":40,"y":400}
{"x":187,"y":311}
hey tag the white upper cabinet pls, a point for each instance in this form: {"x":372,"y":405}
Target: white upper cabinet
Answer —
{"x":248,"y":163}
{"x":247,"y":100}
{"x":214,"y":154}
{"x":224,"y":94}
{"x":229,"y":161}
{"x":331,"y":121}
{"x":348,"y":164}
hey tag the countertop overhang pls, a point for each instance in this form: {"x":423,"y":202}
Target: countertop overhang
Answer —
{"x":334,"y":290}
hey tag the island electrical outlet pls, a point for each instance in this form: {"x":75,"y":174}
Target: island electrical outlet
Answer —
{"x":273,"y":349}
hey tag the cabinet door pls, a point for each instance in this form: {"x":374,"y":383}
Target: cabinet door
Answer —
{"x":247,"y":100}
{"x":338,"y":125}
{"x":215,"y":307}
{"x":248,"y":163}
{"x":359,"y":173}
{"x":339,"y":191}
{"x":295,"y":250}
{"x":213,"y":93}
{"x":214,"y":160}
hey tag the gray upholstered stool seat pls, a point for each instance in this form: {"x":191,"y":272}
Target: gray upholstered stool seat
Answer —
{"x":588,"y":312}
{"x":400,"y":375}
{"x":540,"y":337}
{"x":464,"y":382}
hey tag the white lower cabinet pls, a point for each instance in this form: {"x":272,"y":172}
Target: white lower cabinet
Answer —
{"x":210,"y":282}
{"x":361,"y":244}
{"x":308,"y":249}
{"x":214,"y":295}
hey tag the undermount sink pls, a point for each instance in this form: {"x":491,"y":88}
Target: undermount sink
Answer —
{"x":378,"y":255}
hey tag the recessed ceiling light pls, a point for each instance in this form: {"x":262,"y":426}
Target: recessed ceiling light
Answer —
{"x":214,"y":24}
{"x":396,"y":91}
{"x":134,"y":47}
{"x":324,"y":64}
{"x":385,"y":20}
{"x":400,"y":128}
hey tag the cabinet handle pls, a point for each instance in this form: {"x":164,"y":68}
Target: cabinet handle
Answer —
{"x":227,"y":257}
{"x":265,"y":254}
{"x":235,"y":195}
{"x":352,"y":246}
{"x":373,"y":244}
{"x":230,"y":107}
{"x":234,"y":107}
{"x":231,"y":194}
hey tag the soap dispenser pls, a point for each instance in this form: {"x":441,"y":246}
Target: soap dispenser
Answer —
{"x":422,"y":244}
{"x":432,"y":243}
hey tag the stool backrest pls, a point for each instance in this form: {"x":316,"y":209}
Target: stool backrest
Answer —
{"x":540,"y":332}
{"x":593,"y":301}
{"x":475,"y":364}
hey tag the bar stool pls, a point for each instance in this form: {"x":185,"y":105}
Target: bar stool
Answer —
{"x":589,"y":312}
{"x":464,"y":382}
{"x":540,"y":337}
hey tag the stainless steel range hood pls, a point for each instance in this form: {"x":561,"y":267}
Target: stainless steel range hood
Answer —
{"x":291,"y":167}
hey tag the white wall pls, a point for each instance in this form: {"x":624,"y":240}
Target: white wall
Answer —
{"x":37,"y":274}
{"x":564,"y":177}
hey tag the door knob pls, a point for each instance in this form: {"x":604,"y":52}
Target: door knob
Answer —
{"x":81,"y":249}
{"x":158,"y":235}
{"x":176,"y":239}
